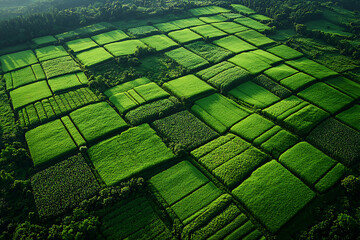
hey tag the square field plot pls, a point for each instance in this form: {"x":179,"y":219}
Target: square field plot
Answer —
{"x":280,"y":72}
{"x":166,"y":27}
{"x":273,"y":195}
{"x":48,"y":142}
{"x":251,"y":23}
{"x":159,"y":42}
{"x":208,"y":10}
{"x":183,"y":131}
{"x":213,"y":19}
{"x":351,"y":117}
{"x":187,"y":59}
{"x":297,"y":81}
{"x":210,"y":52}
{"x":97,"y":120}
{"x":128,"y":154}
{"x":230,"y":27}
{"x":82,"y":44}
{"x":251,"y":62}
{"x":109,"y":37}
{"x":312,"y":68}
{"x":234,"y":44}
{"x":187,"y":22}
{"x":50,"y":52}
{"x":142,"y":31}
{"x":208,"y":31}
{"x":17,"y":60}
{"x":60,"y":66}
{"x":189,"y":88}
{"x":63,"y":186}
{"x":285,"y":52}
{"x":124,"y":48}
{"x":326,"y":97}
{"x":29,"y":94}
{"x":59,"y":84}
{"x":184,"y":36}
{"x":94,"y":56}
{"x":219,"y":112}
{"x":255,"y":38}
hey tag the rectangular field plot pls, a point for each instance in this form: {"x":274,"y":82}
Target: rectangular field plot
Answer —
{"x":253,"y":94}
{"x":219,"y":112}
{"x":17,"y":60}
{"x":326,"y":97}
{"x":270,"y":191}
{"x":123,"y":48}
{"x":130,"y":153}
{"x":280,"y":72}
{"x":251,"y":62}
{"x":63,"y":186}
{"x":43,"y":41}
{"x":234,"y":44}
{"x":312,"y":68}
{"x":208,"y":31}
{"x":251,"y":23}
{"x":183,"y":131}
{"x":187,"y":59}
{"x":60,"y":66}
{"x":351,"y":117}
{"x":297,"y":81}
{"x":188,"y":88}
{"x":272,"y":86}
{"x":48,"y":142}
{"x":210,"y":52}
{"x":208,"y":10}
{"x":255,"y":38}
{"x":242,"y":9}
{"x":109,"y":37}
{"x":59,"y":84}
{"x":97,"y":120}
{"x":229,"y":27}
{"x":142,"y":31}
{"x":124,"y":87}
{"x":285,"y":52}
{"x":50,"y":52}
{"x":187,"y":22}
{"x":345,"y":85}
{"x":184,"y":36}
{"x":29,"y":94}
{"x":94,"y":56}
{"x":213,"y":19}
{"x":260,"y":18}
{"x":166,"y":27}
{"x":24,"y":76}
{"x":159,"y":42}
{"x":82,"y":44}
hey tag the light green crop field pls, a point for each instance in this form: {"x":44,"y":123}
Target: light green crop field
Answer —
{"x":59,"y":84}
{"x":46,"y":40}
{"x":280,"y":72}
{"x":208,"y":31}
{"x":188,"y":22}
{"x":184,"y":36}
{"x":234,"y":44}
{"x":255,"y":38}
{"x":351,"y":116}
{"x":213,"y":19}
{"x":159,"y":42}
{"x":230,"y":27}
{"x":17,"y":60}
{"x":285,"y":52}
{"x":123,"y":48}
{"x":142,"y":31}
{"x":109,"y":37}
{"x":208,"y":10}
{"x":59,"y":66}
{"x":312,"y":68}
{"x":50,"y":52}
{"x":94,"y":56}
{"x":187,"y":59}
{"x":251,"y":23}
{"x":210,"y":52}
{"x":166,"y":27}
{"x":82,"y":44}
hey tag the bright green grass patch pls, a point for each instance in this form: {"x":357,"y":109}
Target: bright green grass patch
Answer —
{"x":49,"y":141}
{"x":109,"y":37}
{"x":17,"y":60}
{"x":312,"y":68}
{"x":184,"y":36}
{"x":188,"y":88}
{"x":212,"y":71}
{"x":345,"y":85}
{"x":307,"y":162}
{"x":159,"y":42}
{"x":331,"y":178}
{"x":97,"y":120}
{"x":23,"y":76}
{"x":59,"y":66}
{"x":46,"y":40}
{"x":94,"y":56}
{"x":208,"y":10}
{"x":297,"y":81}
{"x":187,"y":22}
{"x":251,"y":23}
{"x":208,"y":31}
{"x":29,"y":94}
{"x":285,"y":52}
{"x":255,"y":38}
{"x":242,"y":9}
{"x":229,"y":78}
{"x":230,"y":27}
{"x":79,"y":140}
{"x":351,"y":116}
{"x":280,"y":72}
{"x":123,"y":48}
{"x":253,"y":94}
{"x":166,"y":27}
{"x":234,"y":44}
{"x":210,"y":52}
{"x":266,"y":57}
{"x":124,"y":87}
{"x":260,"y":18}
{"x":187,"y":59}
{"x":178,"y":181}
{"x":59,"y":84}
{"x":251,"y":62}
{"x":82,"y":44}
{"x":219,"y":112}
{"x":213,"y":19}
{"x":130,"y":153}
{"x":231,"y":15}
{"x":273,"y":195}
{"x":142,"y":31}
{"x":50,"y":52}
{"x":326,"y":97}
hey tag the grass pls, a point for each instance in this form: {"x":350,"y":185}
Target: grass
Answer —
{"x":109,"y":37}
{"x":312,"y":68}
{"x":234,"y":44}
{"x":212,"y":71}
{"x":251,"y":23}
{"x":285,"y":52}
{"x":45,"y":40}
{"x":22,"y":77}
{"x":79,"y":140}
{"x":260,"y":18}
{"x":103,"y":121}
{"x":251,"y":62}
{"x":208,"y":10}
{"x":219,"y":112}
{"x":187,"y":22}
{"x":331,"y":178}
{"x":326,"y":97}
{"x":253,"y":94}
{"x":184,"y":36}
{"x":17,"y":60}
{"x":159,"y":42}
{"x":183,"y":131}
{"x":345,"y":85}
{"x":61,"y":83}
{"x":50,"y":52}
{"x":229,"y":27}
{"x":124,"y":48}
{"x":297,"y":81}
{"x":307,"y":162}
{"x":280,"y":72}
{"x":60,"y":66}
{"x":208,"y":31}
{"x":242,"y":9}
{"x":213,"y":19}
{"x":188,"y":88}
{"x":255,"y":38}
{"x":94,"y":56}
{"x":187,"y":59}
{"x":210,"y":52}
{"x":80,"y":45}
{"x":229,"y":78}
{"x":29,"y":94}
{"x":273,"y":195}
{"x":142,"y":31}
{"x":130,"y":153}
{"x":124,"y":87}
{"x":48,"y":142}
{"x":351,"y":116}
{"x":266,"y":57}
{"x":166,"y":27}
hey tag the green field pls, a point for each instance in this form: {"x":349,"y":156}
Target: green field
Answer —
{"x":50,"y":52}
{"x":208,"y":31}
{"x":17,"y":60}
{"x":184,"y":36}
{"x":109,"y":37}
{"x":159,"y":42}
{"x":94,"y":56}
{"x":80,"y":45}
{"x":123,"y":48}
{"x":187,"y":59}
{"x":210,"y":52}
{"x":234,"y":44}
